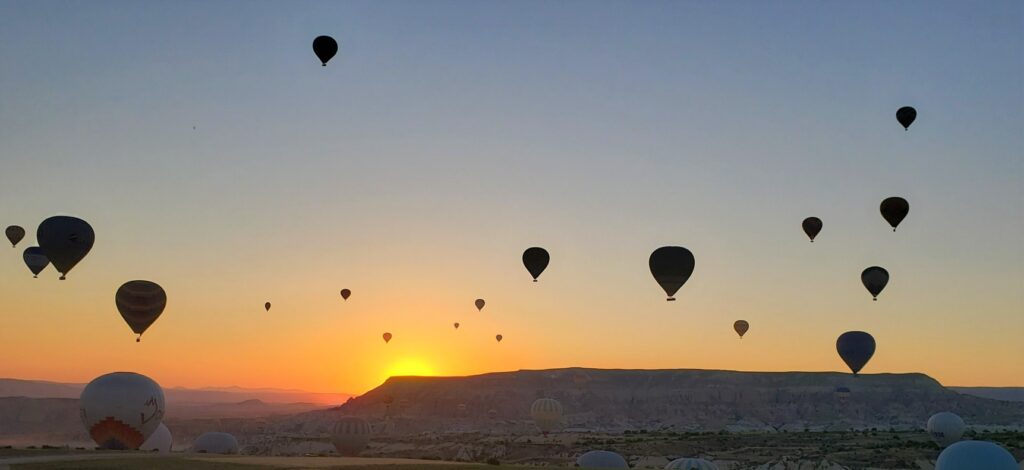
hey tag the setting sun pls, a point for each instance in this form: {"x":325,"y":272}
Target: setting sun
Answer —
{"x":410,"y":366}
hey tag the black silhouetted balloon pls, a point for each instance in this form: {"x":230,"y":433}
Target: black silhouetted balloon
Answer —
{"x":35,"y":259}
{"x":874,"y":279}
{"x":536,"y":259}
{"x":479,"y":304}
{"x":345,"y":293}
{"x":325,"y":47}
{"x":894,"y":210}
{"x":267,"y":306}
{"x":14,"y":234}
{"x":812,"y":226}
{"x":856,"y":349}
{"x":906,"y":116}
{"x":65,"y":241}
{"x":671,"y":267}
{"x":741,"y":327}
{"x":140,"y":304}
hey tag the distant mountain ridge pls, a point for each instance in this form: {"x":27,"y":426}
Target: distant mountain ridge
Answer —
{"x":206,"y":395}
{"x":995,"y":393}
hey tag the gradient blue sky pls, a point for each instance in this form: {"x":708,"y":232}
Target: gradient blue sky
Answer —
{"x":446,"y":137}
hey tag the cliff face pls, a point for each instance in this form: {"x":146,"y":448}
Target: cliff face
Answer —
{"x":682,"y":400}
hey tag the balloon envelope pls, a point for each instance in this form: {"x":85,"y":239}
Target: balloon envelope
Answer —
{"x":671,"y":267}
{"x":215,"y":443}
{"x":546,"y":414}
{"x":812,"y":226}
{"x":345,"y":293}
{"x":387,"y":337}
{"x":536,"y":259}
{"x":945,"y":428}
{"x":350,"y":435}
{"x":65,"y":241}
{"x":690,"y":464}
{"x":160,"y":441}
{"x":456,"y":325}
{"x":140,"y":304}
{"x":906,"y":116}
{"x":121,"y":410}
{"x":856,"y":349}
{"x":498,"y":338}
{"x":741,"y":327}
{"x":479,"y":304}
{"x":894,"y":210}
{"x":975,"y":455}
{"x":601,"y":459}
{"x":874,"y":279}
{"x":267,"y":306}
{"x":14,"y":234}
{"x":35,"y":259}
{"x":325,"y":47}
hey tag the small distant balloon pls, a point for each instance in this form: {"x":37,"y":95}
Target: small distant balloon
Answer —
{"x":906,"y":116}
{"x":671,"y":267}
{"x":480,"y":304}
{"x":140,"y":304}
{"x":536,"y":259}
{"x":741,"y":327}
{"x":874,"y":279}
{"x":855,"y":348}
{"x":498,"y":338}
{"x":35,"y":259}
{"x":456,"y":325}
{"x":14,"y":234}
{"x":894,"y":210}
{"x":812,"y":226}
{"x":267,"y":306}
{"x":387,"y":337}
{"x":325,"y":47}
{"x":345,"y":293}
{"x":65,"y":241}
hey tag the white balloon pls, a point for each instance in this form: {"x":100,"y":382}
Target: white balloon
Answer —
{"x":601,"y":459}
{"x":547,"y":414}
{"x":945,"y":428}
{"x":975,"y":455}
{"x":215,"y":443}
{"x":350,"y":435}
{"x":121,"y":410}
{"x":161,"y":440}
{"x":690,"y":464}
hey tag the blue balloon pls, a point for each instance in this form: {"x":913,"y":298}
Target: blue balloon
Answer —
{"x":601,"y":459}
{"x":856,"y":349}
{"x":975,"y":455}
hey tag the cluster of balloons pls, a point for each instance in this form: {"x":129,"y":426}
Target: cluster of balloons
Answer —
{"x":63,"y":241}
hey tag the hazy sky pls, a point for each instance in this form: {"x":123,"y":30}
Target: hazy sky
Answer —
{"x":447,"y":137}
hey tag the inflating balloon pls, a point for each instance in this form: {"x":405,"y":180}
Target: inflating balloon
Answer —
{"x":387,"y":337}
{"x":140,"y":304}
{"x":160,"y":441}
{"x":479,"y":304}
{"x":546,"y":414}
{"x":856,"y":349}
{"x":121,"y":410}
{"x":894,"y":210}
{"x":671,"y":267}
{"x":975,"y":455}
{"x":536,"y":259}
{"x":906,"y":116}
{"x":345,"y":293}
{"x":65,"y":241}
{"x":945,"y":428}
{"x":14,"y":234}
{"x":325,"y":47}
{"x":874,"y":280}
{"x":350,"y":435}
{"x":741,"y":327}
{"x":812,"y":226}
{"x":215,"y":443}
{"x":35,"y":259}
{"x":690,"y":464}
{"x":601,"y":459}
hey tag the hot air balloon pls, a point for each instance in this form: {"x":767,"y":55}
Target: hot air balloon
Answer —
{"x":215,"y":443}
{"x":35,"y":259}
{"x":350,"y":435}
{"x":492,"y":414}
{"x":479,"y":304}
{"x":121,"y":410}
{"x":267,"y":306}
{"x":671,"y":267}
{"x":387,"y":337}
{"x":325,"y":47}
{"x":874,"y":279}
{"x":856,"y":349}
{"x":906,"y":116}
{"x":945,"y":428}
{"x":536,"y":259}
{"x":812,"y":226}
{"x":140,"y":304}
{"x":456,"y":325}
{"x":842,"y":394}
{"x":345,"y":293}
{"x":894,"y":210}
{"x":741,"y":327}
{"x":160,"y":441}
{"x":601,"y":459}
{"x":690,"y":464}
{"x":547,"y":414}
{"x":975,"y":455}
{"x":65,"y":241}
{"x":498,"y":338}
{"x":16,"y":233}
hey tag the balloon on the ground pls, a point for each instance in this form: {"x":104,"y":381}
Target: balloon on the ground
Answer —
{"x":894,"y":210}
{"x":350,"y":435}
{"x":215,"y":443}
{"x":536,"y":259}
{"x":65,"y":241}
{"x":945,"y":428}
{"x":266,"y":306}
{"x":325,"y":47}
{"x":671,"y":267}
{"x":690,"y":464}
{"x":546,"y":414}
{"x":387,"y":337}
{"x":121,"y":410}
{"x":14,"y":234}
{"x":140,"y":304}
{"x":906,"y":116}
{"x":479,"y":304}
{"x":856,"y":349}
{"x":160,"y":441}
{"x":975,"y":455}
{"x":812,"y":227}
{"x":601,"y":459}
{"x":741,"y":327}
{"x":35,"y":259}
{"x":345,"y":294}
{"x":874,"y":279}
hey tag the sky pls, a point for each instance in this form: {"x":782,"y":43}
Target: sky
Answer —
{"x":448,"y":136}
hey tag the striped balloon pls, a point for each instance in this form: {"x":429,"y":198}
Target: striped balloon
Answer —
{"x":690,"y":464}
{"x":547,"y":414}
{"x":140,"y":304}
{"x":350,"y":435}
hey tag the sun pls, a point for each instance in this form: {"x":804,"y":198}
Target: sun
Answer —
{"x":410,"y":366}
